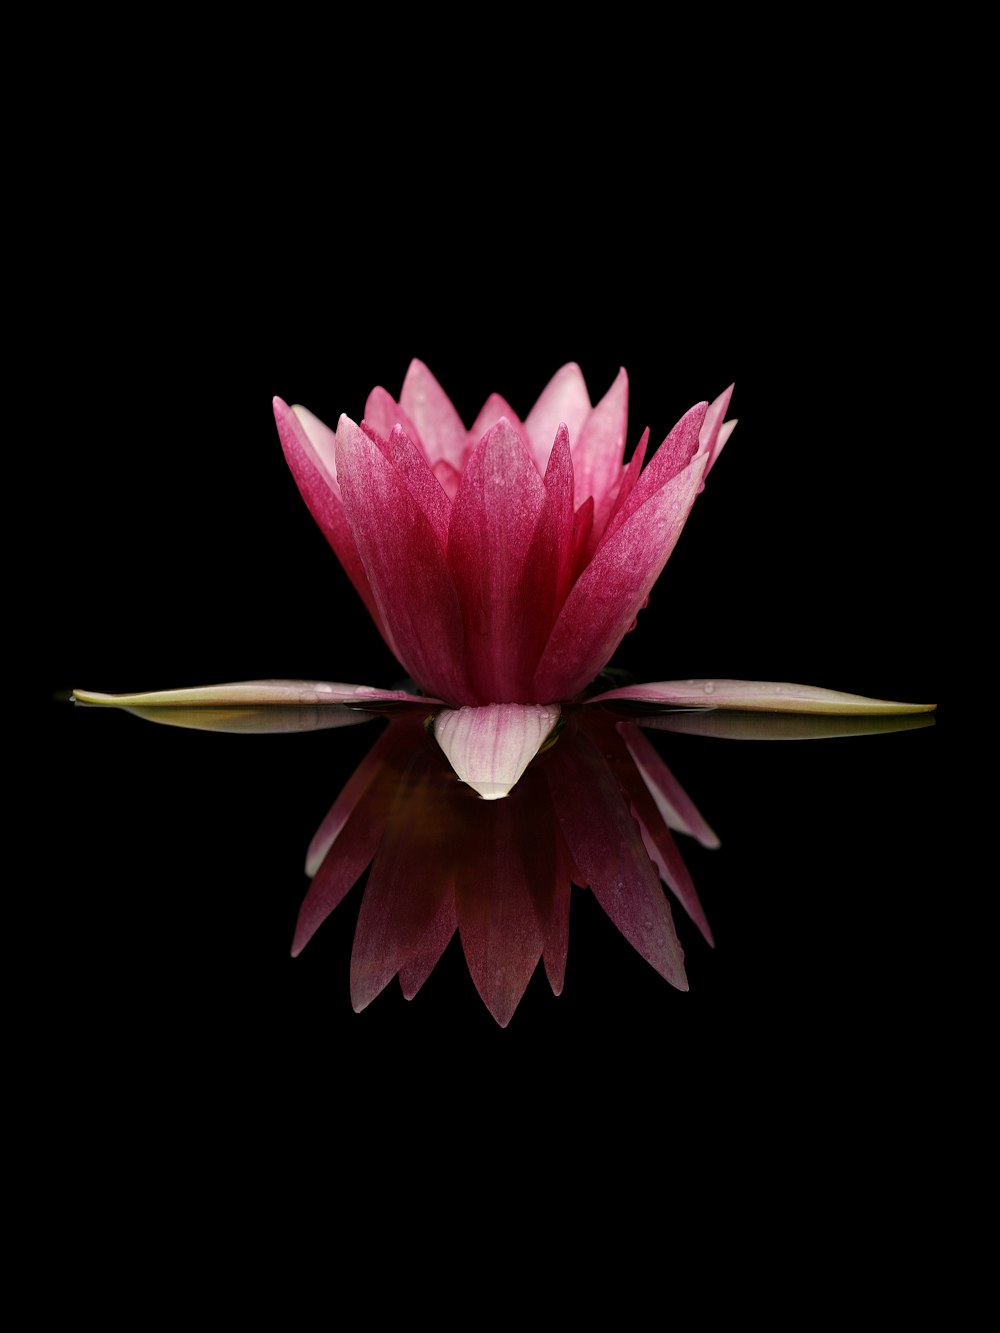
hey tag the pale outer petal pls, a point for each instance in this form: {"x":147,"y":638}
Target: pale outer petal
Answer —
{"x":490,"y":747}
{"x":766,"y":696}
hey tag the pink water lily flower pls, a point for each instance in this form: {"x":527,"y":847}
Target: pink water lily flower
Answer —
{"x":503,"y":564}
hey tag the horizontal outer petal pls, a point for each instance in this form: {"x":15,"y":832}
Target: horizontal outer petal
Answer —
{"x":405,"y":564}
{"x":251,"y":693}
{"x":316,"y":479}
{"x":764,"y":696}
{"x":490,"y":747}
{"x":564,"y":400}
{"x":605,"y":843}
{"x":611,"y":591}
{"x":679,"y":812}
{"x":599,"y":449}
{"x":439,"y":426}
{"x":726,"y":724}
{"x":493,"y":522}
{"x":257,"y":720}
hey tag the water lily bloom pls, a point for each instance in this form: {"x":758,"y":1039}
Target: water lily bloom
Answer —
{"x":504,"y":564}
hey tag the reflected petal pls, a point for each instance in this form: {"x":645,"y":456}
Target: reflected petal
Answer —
{"x":779,"y":726}
{"x":764,"y":695}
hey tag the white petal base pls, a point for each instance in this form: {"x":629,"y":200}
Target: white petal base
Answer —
{"x":490,"y":747}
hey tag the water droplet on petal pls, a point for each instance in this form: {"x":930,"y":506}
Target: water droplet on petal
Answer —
{"x":709,"y":687}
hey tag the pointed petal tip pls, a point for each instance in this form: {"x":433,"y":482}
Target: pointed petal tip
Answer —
{"x":489,"y":747}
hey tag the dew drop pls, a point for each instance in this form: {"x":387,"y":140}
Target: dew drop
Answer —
{"x":709,"y":687}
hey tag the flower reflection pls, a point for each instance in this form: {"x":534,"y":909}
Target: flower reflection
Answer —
{"x":499,"y":873}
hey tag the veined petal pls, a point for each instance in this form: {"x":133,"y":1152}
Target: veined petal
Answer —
{"x":764,"y":696}
{"x":322,"y":439}
{"x":405,"y":890}
{"x":493,"y":523}
{"x":716,"y":430}
{"x":431,"y":945}
{"x":421,"y":482}
{"x":607,"y":848}
{"x":563,"y":401}
{"x":673,"y":456}
{"x":611,"y":591}
{"x":406,"y":566}
{"x":599,"y":449}
{"x":315,"y":475}
{"x":439,"y":426}
{"x":494,"y":410}
{"x":557,"y":520}
{"x":382,"y":412}
{"x":677,"y":809}
{"x":490,"y":747}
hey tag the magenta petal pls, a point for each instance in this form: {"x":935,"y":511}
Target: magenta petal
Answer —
{"x":405,"y":892}
{"x":492,"y":411}
{"x":612,"y":589}
{"x":346,"y":803}
{"x":716,"y":430}
{"x":757,"y":695}
{"x":673,"y":456}
{"x":430,"y":946}
{"x":679,"y":812}
{"x":421,"y":482}
{"x":406,"y":567}
{"x":600,"y":447}
{"x":491,"y":746}
{"x":430,"y":409}
{"x":607,"y":848}
{"x":502,"y":873}
{"x":382,"y":413}
{"x":563,"y":401}
{"x":317,"y":481}
{"x":557,"y":524}
{"x":556,"y":949}
{"x":493,"y":523}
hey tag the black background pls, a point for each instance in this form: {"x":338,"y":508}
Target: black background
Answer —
{"x":186,"y":556}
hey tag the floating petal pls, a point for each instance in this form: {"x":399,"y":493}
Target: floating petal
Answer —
{"x":763,"y":695}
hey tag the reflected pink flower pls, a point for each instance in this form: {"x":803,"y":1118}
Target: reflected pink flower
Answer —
{"x":595,"y":809}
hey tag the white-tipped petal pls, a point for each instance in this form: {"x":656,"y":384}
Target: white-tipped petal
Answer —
{"x":491,"y":746}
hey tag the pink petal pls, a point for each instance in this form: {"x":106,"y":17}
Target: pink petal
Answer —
{"x":600,"y":448}
{"x":431,"y":945}
{"x":492,"y":411}
{"x":557,"y":521}
{"x":345,"y":862}
{"x":344,"y":806}
{"x":405,"y":564}
{"x":557,"y":941}
{"x":760,"y":695}
{"x":321,"y":437}
{"x":408,"y":883}
{"x":382,"y":413}
{"x":606,"y":845}
{"x":316,"y":479}
{"x":713,"y":432}
{"x":503,"y":869}
{"x":493,"y":523}
{"x":564,"y":400}
{"x":430,"y":409}
{"x":491,"y":746}
{"x":421,"y":482}
{"x":675,"y":454}
{"x":611,"y":591}
{"x":674,"y":804}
